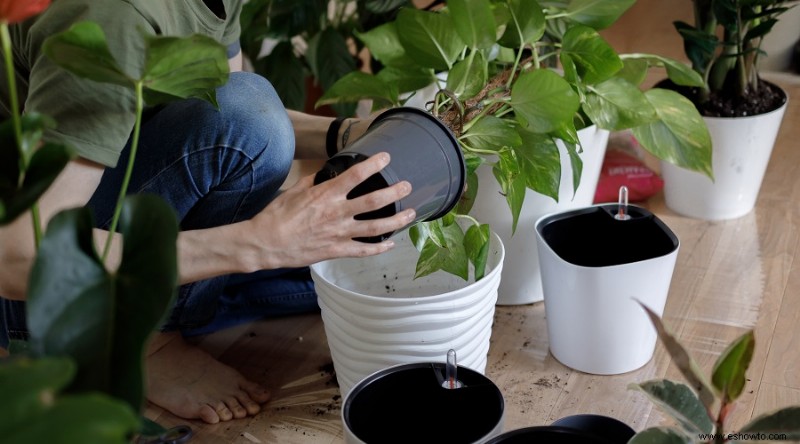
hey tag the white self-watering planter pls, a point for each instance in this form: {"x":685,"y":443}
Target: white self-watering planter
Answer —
{"x":742,"y":147}
{"x":596,"y":271}
{"x":377,"y":315}
{"x":522,"y":282}
{"x":407,"y":403}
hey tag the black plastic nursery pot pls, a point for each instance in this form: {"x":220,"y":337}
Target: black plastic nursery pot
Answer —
{"x":576,"y":429}
{"x":423,"y":151}
{"x":407,"y":404}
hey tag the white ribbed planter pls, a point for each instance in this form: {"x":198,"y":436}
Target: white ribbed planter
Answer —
{"x":522,"y":281}
{"x":742,"y":147}
{"x":376,"y":315}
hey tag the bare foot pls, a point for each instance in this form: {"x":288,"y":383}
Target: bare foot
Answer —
{"x":190,"y":383}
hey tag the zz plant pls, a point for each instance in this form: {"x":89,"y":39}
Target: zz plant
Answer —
{"x":79,"y":378}
{"x":508,"y":107}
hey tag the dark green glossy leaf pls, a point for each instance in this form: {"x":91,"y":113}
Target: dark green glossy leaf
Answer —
{"x":78,"y":309}
{"x":680,"y":136}
{"x":616,"y":104}
{"x":287,"y":74}
{"x":698,"y":45}
{"x":543,"y":101}
{"x":384,"y":6}
{"x":660,"y":435}
{"x":784,"y":422}
{"x":577,"y":164}
{"x":681,"y":358}
{"x":508,"y":173}
{"x":680,"y":402}
{"x":729,"y":371}
{"x":83,"y":50}
{"x":185,"y":67}
{"x":492,"y":133}
{"x":429,"y":38}
{"x":526,"y":24}
{"x":594,"y":58}
{"x":598,"y":14}
{"x":468,"y":76}
{"x":474,"y":22}
{"x":359,"y":85}
{"x":334,"y":61}
{"x":33,"y":411}
{"x":467,"y":199}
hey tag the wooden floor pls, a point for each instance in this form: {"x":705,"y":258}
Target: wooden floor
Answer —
{"x":730,"y":276}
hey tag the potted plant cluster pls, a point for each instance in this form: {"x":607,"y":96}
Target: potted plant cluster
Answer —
{"x":700,"y":408}
{"x":313,"y":43}
{"x":742,"y":110}
{"x":511,"y":110}
{"x":79,"y":378}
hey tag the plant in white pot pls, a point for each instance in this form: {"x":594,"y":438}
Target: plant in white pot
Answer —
{"x":521,"y":119}
{"x":742,"y":111}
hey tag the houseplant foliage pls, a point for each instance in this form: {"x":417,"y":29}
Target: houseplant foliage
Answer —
{"x":724,"y":47}
{"x":80,"y":378}
{"x":314,"y":38}
{"x":701,"y":407}
{"x":507,"y":106}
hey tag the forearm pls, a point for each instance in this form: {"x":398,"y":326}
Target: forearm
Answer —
{"x":311,"y":134}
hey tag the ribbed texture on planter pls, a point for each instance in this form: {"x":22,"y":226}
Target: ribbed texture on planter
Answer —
{"x":376,"y":315}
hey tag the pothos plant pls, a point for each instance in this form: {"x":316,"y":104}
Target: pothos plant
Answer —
{"x":701,"y":408}
{"x":79,"y":378}
{"x":508,"y":107}
{"x":724,"y":47}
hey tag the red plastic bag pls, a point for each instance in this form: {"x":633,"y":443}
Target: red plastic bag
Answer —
{"x":620,"y":168}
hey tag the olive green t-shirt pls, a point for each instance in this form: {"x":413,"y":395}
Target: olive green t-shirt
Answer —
{"x":96,"y":119}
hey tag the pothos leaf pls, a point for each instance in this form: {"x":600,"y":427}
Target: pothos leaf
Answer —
{"x":451,"y":257}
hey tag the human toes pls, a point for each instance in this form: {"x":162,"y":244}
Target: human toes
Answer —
{"x":208,"y":414}
{"x":256,"y":392}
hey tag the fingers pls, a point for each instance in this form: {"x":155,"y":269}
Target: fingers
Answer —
{"x":361,"y":171}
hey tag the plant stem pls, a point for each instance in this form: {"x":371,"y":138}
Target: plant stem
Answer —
{"x":16,"y":122}
{"x":128,"y":171}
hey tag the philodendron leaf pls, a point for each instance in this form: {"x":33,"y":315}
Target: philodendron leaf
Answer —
{"x":359,"y":85}
{"x":543,"y":101}
{"x":679,"y":136}
{"x":729,"y":371}
{"x":46,"y":164}
{"x":492,"y":134}
{"x":680,"y":402}
{"x":32,"y":410}
{"x":633,"y":70}
{"x":83,"y":50}
{"x":451,"y":258}
{"x":76,"y":308}
{"x":185,"y":67}
{"x":687,"y":366}
{"x":577,"y":165}
{"x":429,"y":38}
{"x":384,"y":45}
{"x":598,"y":14}
{"x":784,"y":423}
{"x":476,"y":243}
{"x":616,"y":104}
{"x":594,"y":58}
{"x":407,"y":79}
{"x":660,"y":435}
{"x":474,"y":22}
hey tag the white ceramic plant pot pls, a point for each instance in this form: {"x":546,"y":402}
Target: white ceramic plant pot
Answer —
{"x":522,"y":281}
{"x":594,"y":270}
{"x":377,"y":315}
{"x":742,"y":147}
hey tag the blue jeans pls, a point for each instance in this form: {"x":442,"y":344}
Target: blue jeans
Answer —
{"x":214,"y":167}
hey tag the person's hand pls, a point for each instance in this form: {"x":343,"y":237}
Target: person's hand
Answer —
{"x":307,"y":223}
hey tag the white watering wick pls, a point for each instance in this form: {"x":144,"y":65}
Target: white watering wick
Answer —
{"x":622,"y":211}
{"x":450,"y":380}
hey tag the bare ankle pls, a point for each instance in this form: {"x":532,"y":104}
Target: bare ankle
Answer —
{"x":160,"y":340}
